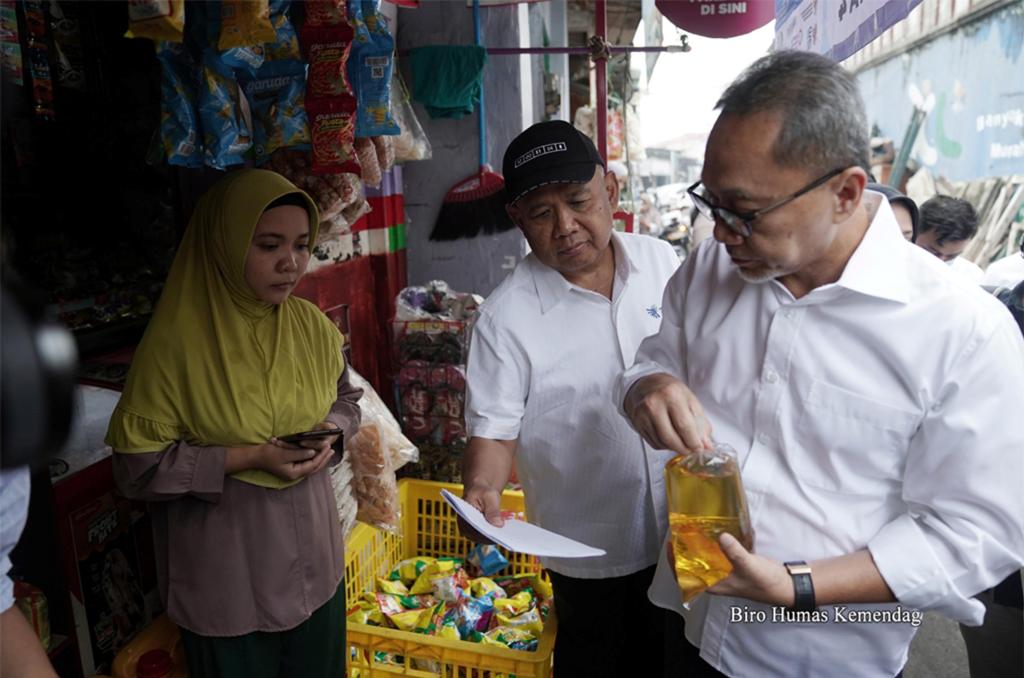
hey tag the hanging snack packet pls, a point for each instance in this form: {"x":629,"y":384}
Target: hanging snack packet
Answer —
{"x":156,"y":19}
{"x":325,"y":12}
{"x":327,"y":51}
{"x":369,"y":67}
{"x":178,"y":95}
{"x":367,"y":155}
{"x":332,"y":128}
{"x":226,"y":136}
{"x":244,"y":23}
{"x":278,"y":117}
{"x":285,"y":45}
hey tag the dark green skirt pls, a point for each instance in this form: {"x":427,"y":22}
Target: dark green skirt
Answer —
{"x":313,"y":649}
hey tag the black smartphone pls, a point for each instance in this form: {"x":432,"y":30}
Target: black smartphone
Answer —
{"x":296,"y":438}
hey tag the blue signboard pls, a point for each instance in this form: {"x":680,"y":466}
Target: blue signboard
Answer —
{"x":974,"y":78}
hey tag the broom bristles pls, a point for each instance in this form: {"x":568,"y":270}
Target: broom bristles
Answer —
{"x":474,"y":205}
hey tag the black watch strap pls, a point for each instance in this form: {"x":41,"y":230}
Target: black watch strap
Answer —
{"x":803,"y":587}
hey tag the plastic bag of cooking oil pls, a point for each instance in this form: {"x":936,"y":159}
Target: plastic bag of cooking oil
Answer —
{"x":705,"y":499}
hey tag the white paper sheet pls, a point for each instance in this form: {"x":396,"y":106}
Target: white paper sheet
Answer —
{"x":521,"y":537}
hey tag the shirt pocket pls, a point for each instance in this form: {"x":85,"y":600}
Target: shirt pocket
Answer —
{"x":850,"y":443}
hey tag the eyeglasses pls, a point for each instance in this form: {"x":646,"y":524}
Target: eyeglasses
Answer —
{"x":740,"y":223}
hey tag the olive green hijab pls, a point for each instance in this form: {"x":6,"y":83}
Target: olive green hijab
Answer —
{"x":217,"y":366}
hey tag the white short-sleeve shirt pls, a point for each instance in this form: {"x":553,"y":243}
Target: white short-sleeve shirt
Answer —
{"x":543,"y":360}
{"x":881,"y":412}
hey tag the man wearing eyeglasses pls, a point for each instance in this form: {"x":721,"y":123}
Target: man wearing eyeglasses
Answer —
{"x":883,"y":477}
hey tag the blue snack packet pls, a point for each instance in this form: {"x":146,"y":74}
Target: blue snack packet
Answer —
{"x":226,"y":137}
{"x":487,"y":559}
{"x":178,"y":95}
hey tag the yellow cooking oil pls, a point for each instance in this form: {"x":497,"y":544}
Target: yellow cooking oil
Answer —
{"x":705,"y":499}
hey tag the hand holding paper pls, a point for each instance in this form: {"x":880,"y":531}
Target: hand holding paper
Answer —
{"x":519,"y":536}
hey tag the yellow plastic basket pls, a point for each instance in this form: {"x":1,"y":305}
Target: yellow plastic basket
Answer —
{"x":429,"y":529}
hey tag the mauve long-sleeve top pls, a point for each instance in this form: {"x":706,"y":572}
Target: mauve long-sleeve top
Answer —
{"x":233,"y":557}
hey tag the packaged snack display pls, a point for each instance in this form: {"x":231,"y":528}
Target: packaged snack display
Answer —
{"x":443,"y":601}
{"x":385,"y":148}
{"x":244,"y":23}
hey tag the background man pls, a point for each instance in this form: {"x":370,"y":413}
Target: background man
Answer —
{"x":891,"y":468}
{"x":546,"y":350}
{"x":947,"y":226}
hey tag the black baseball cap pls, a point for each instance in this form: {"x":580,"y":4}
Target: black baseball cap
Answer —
{"x":551,"y":152}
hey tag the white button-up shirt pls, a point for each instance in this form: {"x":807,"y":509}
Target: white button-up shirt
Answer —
{"x":543,"y":360}
{"x":882,"y":412}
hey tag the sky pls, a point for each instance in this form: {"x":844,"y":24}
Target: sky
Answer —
{"x":683,"y":90}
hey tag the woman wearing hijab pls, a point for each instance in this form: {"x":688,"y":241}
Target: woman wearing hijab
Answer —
{"x":248,"y":542}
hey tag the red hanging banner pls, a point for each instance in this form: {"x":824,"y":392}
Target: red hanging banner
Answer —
{"x":717,"y":18}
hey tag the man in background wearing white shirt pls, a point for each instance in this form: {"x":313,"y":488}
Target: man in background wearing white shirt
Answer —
{"x":946,"y":228}
{"x":883,"y":477}
{"x":1007,"y":272}
{"x":546,"y":350}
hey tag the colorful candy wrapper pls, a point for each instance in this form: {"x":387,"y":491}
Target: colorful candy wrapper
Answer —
{"x":391,"y":586}
{"x":528,"y":621}
{"x":485,"y":587}
{"x":408,"y":570}
{"x":449,"y":587}
{"x":487,"y":559}
{"x":365,"y":612}
{"x":389,"y":604}
{"x":178,"y":96}
{"x":156,"y":19}
{"x":226,"y":137}
{"x":439,"y":566}
{"x":418,"y":621}
{"x":510,"y":637}
{"x":244,"y":23}
{"x":544,"y":607}
{"x":417,"y":602}
{"x":517,"y":604}
{"x":473,"y":614}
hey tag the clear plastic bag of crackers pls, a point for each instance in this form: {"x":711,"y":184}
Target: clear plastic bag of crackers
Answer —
{"x":705,"y":499}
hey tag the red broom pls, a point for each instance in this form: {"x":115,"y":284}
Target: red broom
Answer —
{"x":477,"y":203}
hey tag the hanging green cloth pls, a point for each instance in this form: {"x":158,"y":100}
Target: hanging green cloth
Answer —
{"x":447,"y":78}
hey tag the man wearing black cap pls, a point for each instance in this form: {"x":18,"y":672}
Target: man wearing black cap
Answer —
{"x":545,"y":353}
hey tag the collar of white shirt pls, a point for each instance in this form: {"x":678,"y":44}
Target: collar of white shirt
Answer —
{"x":878,"y":267}
{"x":552,"y":287}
